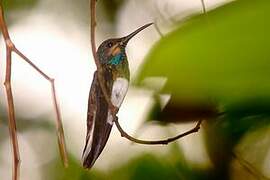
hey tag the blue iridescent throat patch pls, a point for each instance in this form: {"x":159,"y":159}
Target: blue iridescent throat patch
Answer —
{"x":116,"y":59}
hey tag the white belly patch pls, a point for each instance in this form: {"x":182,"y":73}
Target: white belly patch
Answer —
{"x":119,"y":90}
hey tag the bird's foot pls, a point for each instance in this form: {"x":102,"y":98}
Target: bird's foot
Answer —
{"x":114,"y":110}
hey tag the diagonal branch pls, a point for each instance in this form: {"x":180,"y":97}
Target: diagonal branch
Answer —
{"x":59,"y":124}
{"x":249,"y":167}
{"x":10,"y":47}
{"x":112,"y":108}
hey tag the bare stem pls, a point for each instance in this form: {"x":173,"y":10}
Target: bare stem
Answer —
{"x":203,"y":6}
{"x":94,"y":49}
{"x":11,"y":112}
{"x":59,"y":124}
{"x":158,"y":142}
{"x":11,"y":118}
{"x":158,"y":29}
{"x":248,"y":167}
{"x":60,"y":129}
{"x":10,"y":47}
{"x":112,"y":108}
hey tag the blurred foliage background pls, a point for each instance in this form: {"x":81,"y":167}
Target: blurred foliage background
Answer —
{"x":212,"y":66}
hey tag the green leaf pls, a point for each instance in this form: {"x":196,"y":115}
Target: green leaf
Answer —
{"x":222,"y":56}
{"x":222,"y":59}
{"x":18,"y":4}
{"x":111,"y":8}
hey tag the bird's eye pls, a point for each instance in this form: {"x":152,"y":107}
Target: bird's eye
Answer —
{"x":110,"y":44}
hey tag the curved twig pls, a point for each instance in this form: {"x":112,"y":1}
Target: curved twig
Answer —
{"x":157,"y":142}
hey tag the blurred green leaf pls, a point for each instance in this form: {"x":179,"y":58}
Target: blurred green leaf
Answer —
{"x":222,"y":56}
{"x":217,"y":63}
{"x":143,"y":167}
{"x":56,"y":171}
{"x":18,"y":4}
{"x":151,"y":167}
{"x":178,"y":112}
{"x":111,"y":8}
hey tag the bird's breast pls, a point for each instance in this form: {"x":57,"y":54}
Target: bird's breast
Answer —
{"x":119,"y":90}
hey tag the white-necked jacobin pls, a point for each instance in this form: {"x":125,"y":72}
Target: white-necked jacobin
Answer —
{"x":112,"y":57}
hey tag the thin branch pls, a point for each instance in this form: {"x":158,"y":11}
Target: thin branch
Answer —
{"x":11,"y":117}
{"x":10,"y":47}
{"x":60,"y":129}
{"x":158,"y":142}
{"x":59,"y":124}
{"x":203,"y":6}
{"x":11,"y":112}
{"x":249,"y":167}
{"x":158,"y":29}
{"x":162,"y":15}
{"x":94,"y":49}
{"x":30,"y":63}
{"x":114,"y":109}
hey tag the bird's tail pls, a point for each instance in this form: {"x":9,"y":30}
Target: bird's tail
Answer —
{"x":96,"y":140}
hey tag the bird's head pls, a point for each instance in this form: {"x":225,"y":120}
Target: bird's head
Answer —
{"x":112,"y":51}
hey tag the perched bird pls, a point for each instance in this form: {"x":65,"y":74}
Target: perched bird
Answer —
{"x":112,"y":56}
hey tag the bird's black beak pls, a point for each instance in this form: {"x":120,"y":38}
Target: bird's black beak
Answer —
{"x":131,"y":35}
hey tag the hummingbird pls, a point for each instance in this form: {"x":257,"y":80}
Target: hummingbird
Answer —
{"x":115,"y":68}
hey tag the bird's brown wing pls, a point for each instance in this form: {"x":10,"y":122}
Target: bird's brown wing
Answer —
{"x":98,"y":127}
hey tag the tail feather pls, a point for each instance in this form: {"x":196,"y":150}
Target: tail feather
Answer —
{"x":97,"y":138}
